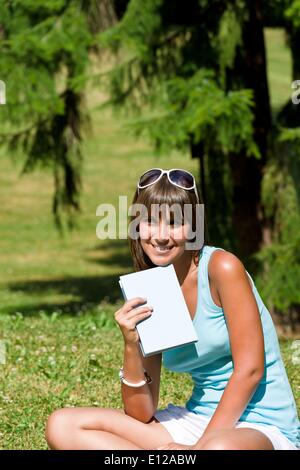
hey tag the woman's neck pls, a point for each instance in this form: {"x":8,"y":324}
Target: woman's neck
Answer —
{"x":184,"y":266}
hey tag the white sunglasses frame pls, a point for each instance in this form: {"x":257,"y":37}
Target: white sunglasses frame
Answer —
{"x":167,"y":172}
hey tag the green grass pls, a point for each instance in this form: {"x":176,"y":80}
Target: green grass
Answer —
{"x":41,"y":271}
{"x":55,"y":361}
{"x":279,"y":67}
{"x":58,"y":296}
{"x":58,"y":360}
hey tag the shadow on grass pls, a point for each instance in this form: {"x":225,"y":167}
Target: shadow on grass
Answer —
{"x":111,"y":253}
{"x":90,"y":292}
{"x":87,"y":292}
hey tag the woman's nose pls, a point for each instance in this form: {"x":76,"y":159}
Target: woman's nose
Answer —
{"x":163,"y":232}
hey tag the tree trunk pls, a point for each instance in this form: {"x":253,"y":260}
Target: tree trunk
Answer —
{"x":215,"y":195}
{"x":197,"y":151}
{"x":248,"y":219}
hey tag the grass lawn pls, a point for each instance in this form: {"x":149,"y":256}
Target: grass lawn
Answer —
{"x":58,"y":295}
{"x":279,"y":67}
{"x":56,"y":361}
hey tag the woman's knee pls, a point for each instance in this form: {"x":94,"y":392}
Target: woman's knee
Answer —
{"x":64,"y":425}
{"x":220,"y":443}
{"x":57,"y":427}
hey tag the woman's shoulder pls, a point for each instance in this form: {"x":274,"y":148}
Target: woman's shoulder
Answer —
{"x":224,"y":263}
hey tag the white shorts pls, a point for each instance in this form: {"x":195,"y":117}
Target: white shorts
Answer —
{"x":187,"y":427}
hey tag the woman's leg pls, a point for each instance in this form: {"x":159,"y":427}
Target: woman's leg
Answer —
{"x":100,"y":428}
{"x":237,"y":439}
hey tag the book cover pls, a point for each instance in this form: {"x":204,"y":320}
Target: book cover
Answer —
{"x":170,"y":324}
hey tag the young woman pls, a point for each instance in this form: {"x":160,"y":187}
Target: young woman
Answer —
{"x":241,"y":398}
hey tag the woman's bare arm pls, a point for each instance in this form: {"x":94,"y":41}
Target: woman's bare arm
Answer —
{"x":140,"y":403}
{"x":246,"y":338}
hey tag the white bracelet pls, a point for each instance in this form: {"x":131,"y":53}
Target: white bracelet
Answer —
{"x":147,"y":380}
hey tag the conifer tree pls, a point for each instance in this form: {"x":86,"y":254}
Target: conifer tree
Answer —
{"x":45,"y":48}
{"x":186,"y":76}
{"x":195,"y":76}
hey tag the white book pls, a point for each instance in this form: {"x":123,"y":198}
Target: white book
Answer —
{"x":170,"y":324}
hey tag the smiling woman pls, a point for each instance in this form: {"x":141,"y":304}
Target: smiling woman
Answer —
{"x":167,"y":225}
{"x":241,"y":398}
{"x":164,"y":233}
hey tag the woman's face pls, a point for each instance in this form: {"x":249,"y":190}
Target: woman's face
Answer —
{"x":163,"y":240}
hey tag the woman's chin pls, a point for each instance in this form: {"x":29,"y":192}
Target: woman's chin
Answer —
{"x":163,"y":259}
{"x":161,"y":262}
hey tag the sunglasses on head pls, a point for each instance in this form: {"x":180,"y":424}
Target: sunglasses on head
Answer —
{"x":180,"y":178}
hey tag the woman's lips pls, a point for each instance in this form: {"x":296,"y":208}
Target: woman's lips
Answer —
{"x":162,"y":249}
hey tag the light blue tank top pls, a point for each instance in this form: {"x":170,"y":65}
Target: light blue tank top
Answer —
{"x":209,"y":361}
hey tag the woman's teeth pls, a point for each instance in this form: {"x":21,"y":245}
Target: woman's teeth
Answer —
{"x":162,"y":249}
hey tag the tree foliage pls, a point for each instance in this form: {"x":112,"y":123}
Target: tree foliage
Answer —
{"x":281,"y":187}
{"x":162,"y":80}
{"x":45,"y":48}
{"x":190,"y":76}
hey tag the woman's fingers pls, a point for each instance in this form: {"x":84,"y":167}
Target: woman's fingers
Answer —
{"x":129,"y":315}
{"x":137,"y":312}
{"x":131,"y":321}
{"x":129,"y":305}
{"x":135,"y":302}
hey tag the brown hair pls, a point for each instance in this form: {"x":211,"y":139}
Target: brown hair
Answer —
{"x":163,"y":192}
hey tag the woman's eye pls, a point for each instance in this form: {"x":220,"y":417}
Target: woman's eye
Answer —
{"x":175,"y":223}
{"x":152,"y":221}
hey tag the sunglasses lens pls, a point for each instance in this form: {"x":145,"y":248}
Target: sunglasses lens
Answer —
{"x":149,"y":177}
{"x":182,"y":178}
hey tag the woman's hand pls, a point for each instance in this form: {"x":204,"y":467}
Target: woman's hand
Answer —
{"x":129,"y":315}
{"x":175,"y":446}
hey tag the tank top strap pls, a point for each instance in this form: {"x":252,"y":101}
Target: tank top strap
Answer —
{"x":203,"y":278}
